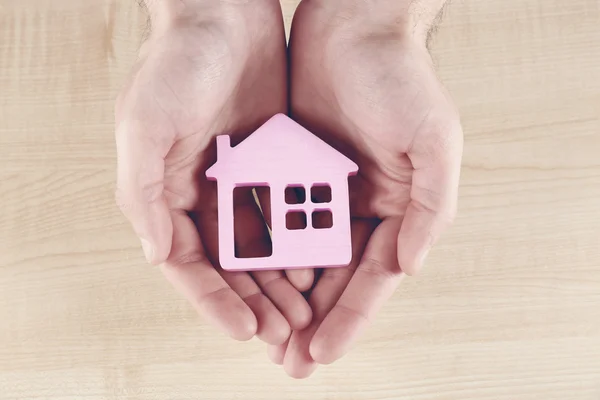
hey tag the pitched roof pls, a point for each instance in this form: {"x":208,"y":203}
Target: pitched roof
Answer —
{"x":283,"y":144}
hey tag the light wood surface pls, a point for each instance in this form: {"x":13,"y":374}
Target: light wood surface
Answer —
{"x":508,"y":306}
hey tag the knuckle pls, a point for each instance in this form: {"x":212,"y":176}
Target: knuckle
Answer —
{"x":354,"y":312}
{"x":447,"y":217}
{"x":445,"y":137}
{"x":122,"y":200}
{"x":441,"y":211}
{"x":342,"y":274}
{"x":376,"y":268}
{"x":126,"y":196}
{"x":185,"y":259}
{"x":151,"y":192}
{"x":277,"y":279}
{"x":199,"y":299}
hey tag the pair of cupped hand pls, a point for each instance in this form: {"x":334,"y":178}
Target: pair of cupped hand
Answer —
{"x":371,"y":93}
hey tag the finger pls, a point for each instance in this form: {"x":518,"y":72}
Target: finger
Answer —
{"x":433,"y":195}
{"x":298,"y":362}
{"x":301,"y":279}
{"x":253,"y":240}
{"x":140,"y":173}
{"x":277,"y":352}
{"x":286,"y":298}
{"x":272,"y":328}
{"x":374,"y":281}
{"x":189,"y":270}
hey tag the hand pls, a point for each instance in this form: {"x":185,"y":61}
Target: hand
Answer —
{"x":208,"y":68}
{"x":372,"y":92}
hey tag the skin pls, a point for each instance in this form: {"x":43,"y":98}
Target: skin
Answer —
{"x":362,"y":79}
{"x":367,"y":84}
{"x":197,"y":76}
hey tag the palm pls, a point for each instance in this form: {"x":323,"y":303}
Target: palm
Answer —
{"x":189,"y":97}
{"x":377,"y":99}
{"x":373,"y":101}
{"x":185,"y":90}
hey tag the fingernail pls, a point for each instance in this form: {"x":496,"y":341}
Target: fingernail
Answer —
{"x":148,"y":250}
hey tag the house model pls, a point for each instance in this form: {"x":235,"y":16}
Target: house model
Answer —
{"x":284,"y":156}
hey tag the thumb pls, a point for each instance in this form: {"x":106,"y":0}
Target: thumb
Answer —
{"x":433,"y":196}
{"x":140,"y":188}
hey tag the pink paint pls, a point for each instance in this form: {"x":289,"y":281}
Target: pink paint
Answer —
{"x":280,"y":154}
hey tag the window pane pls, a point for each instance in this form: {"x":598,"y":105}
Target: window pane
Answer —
{"x":295,"y":220}
{"x":295,"y":194}
{"x":320,"y":193}
{"x":322,"y":219}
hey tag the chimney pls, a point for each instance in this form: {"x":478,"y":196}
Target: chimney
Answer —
{"x":223,"y":146}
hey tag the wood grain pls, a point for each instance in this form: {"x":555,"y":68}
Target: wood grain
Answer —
{"x":507,"y":308}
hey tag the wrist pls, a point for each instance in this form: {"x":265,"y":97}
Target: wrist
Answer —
{"x":165,"y":14}
{"x":411,"y":19}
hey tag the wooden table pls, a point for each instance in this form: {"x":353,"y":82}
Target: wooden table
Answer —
{"x":507,"y":308}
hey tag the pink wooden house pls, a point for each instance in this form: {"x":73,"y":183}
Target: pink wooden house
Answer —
{"x":281,"y":155}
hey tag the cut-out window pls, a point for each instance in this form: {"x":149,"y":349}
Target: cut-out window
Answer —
{"x":320,"y":193}
{"x":322,"y":219}
{"x":295,"y":194}
{"x":245,"y":210}
{"x":295,"y":220}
